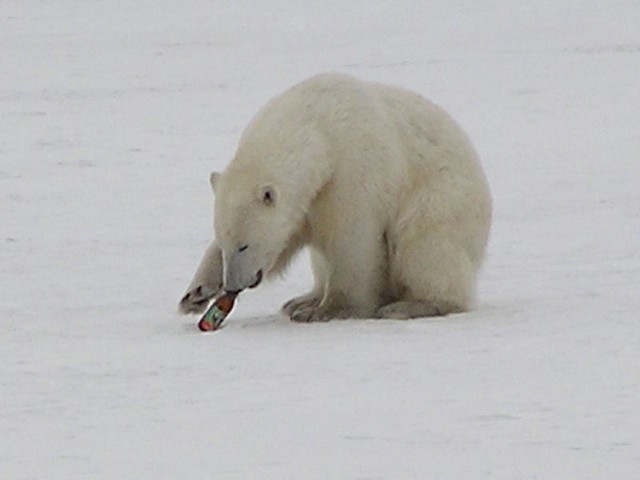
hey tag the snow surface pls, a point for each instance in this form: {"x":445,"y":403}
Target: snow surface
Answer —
{"x":113,"y":114}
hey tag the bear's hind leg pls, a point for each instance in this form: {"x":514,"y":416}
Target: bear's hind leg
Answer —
{"x":436,"y":277}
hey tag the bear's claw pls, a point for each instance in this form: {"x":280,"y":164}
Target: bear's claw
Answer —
{"x":303,"y":302}
{"x":196,"y":300}
{"x":309,"y":314}
{"x":322,"y":313}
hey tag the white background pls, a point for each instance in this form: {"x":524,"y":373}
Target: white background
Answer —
{"x":113,"y":114}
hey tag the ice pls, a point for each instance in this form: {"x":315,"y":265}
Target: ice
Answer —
{"x":113,"y":115}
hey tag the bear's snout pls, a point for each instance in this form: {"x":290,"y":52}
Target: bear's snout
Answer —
{"x":240,"y":271}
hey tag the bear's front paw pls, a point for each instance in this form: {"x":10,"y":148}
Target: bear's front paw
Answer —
{"x":196,"y":299}
{"x":308,"y":314}
{"x":325,"y":313}
{"x":310,"y":300}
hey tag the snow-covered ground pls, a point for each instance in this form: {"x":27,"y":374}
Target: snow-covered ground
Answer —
{"x":114,"y":113}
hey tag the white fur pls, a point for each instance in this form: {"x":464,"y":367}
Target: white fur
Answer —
{"x":381,"y":184}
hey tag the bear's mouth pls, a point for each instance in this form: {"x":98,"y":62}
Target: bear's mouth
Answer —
{"x":258,"y":279}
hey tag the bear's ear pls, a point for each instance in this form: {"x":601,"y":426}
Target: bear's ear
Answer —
{"x":213,"y":180}
{"x":268,"y":195}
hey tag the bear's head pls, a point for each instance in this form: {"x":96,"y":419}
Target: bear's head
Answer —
{"x":253,"y":226}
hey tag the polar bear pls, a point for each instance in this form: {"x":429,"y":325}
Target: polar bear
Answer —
{"x":380,"y":184}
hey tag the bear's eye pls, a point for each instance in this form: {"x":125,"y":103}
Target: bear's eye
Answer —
{"x":243,"y":248}
{"x":268,"y":196}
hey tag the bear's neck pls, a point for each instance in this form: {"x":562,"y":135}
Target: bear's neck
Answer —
{"x":303,"y":183}
{"x":296,"y":161}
